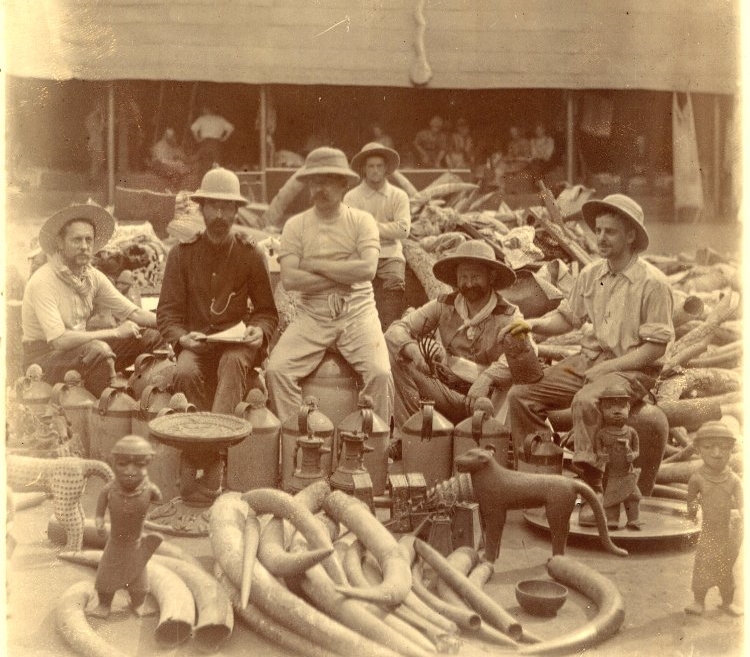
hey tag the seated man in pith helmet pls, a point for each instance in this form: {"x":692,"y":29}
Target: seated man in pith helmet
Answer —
{"x":212,"y":283}
{"x":390,"y":207}
{"x":469,"y":324}
{"x":329,"y":254}
{"x":629,"y":305}
{"x":63,"y":294}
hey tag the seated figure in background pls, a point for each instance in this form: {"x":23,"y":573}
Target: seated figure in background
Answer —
{"x":168,"y":159}
{"x":516,"y":157}
{"x":461,"y":149}
{"x":431,"y":144}
{"x":542,"y":149}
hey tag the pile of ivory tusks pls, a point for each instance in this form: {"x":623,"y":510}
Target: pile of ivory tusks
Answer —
{"x":190,"y":600}
{"x":360,"y":592}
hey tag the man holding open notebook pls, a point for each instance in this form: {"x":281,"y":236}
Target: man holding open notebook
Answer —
{"x":214,"y":285}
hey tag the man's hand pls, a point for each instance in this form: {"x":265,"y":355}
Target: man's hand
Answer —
{"x":480,"y":388}
{"x":253,"y":336}
{"x":602,"y":457}
{"x":99,"y":524}
{"x":194,"y":341}
{"x":128,"y":329}
{"x":412,"y":354}
{"x":516,"y":327}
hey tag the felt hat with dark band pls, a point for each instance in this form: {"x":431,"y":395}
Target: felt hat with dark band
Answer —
{"x":473,"y":252}
{"x":623,"y":206}
{"x":327,"y":161}
{"x":374,"y":149}
{"x":102,"y":221}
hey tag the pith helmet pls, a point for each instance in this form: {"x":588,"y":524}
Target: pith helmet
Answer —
{"x":327,"y":161}
{"x":219,"y":184}
{"x":622,"y":206}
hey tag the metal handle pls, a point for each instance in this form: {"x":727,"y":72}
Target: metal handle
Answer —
{"x":427,"y":411}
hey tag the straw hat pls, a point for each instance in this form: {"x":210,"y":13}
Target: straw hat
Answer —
{"x":374,"y":149}
{"x":103,"y":222}
{"x":327,"y":161}
{"x":622,"y":205}
{"x":475,"y":252}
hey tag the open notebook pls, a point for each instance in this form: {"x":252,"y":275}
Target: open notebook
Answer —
{"x":231,"y":334}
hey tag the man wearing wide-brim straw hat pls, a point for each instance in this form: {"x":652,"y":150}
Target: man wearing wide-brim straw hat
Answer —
{"x":470,"y":325}
{"x":63,"y":294}
{"x":329,"y":255}
{"x":390,"y":207}
{"x":215,"y":282}
{"x":624,"y":306}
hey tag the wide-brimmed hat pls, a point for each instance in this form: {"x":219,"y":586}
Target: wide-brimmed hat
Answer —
{"x":219,"y":184}
{"x":374,"y":149}
{"x":623,"y":206}
{"x":716,"y":430}
{"x":327,"y":161}
{"x":103,"y":222}
{"x":474,"y":252}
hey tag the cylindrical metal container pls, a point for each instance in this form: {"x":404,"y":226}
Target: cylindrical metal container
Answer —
{"x":308,"y":421}
{"x":153,"y":399}
{"x":427,"y":444}
{"x":254,"y":463}
{"x":378,"y":438}
{"x":113,"y":420}
{"x":78,"y":404}
{"x":541,"y":455}
{"x":32,"y":391}
{"x":156,"y":368}
{"x":483,"y":430}
{"x":336,"y":387}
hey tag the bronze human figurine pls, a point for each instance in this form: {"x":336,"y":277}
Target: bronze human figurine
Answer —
{"x":718,"y":492}
{"x":123,"y":563}
{"x":617,"y":447}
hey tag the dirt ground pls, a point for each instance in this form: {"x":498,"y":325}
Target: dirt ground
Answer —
{"x":654,"y":580}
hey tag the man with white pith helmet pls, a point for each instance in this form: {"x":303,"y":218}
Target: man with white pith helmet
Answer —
{"x":329,"y":254}
{"x":628,"y":304}
{"x":210,"y":284}
{"x":390,"y":207}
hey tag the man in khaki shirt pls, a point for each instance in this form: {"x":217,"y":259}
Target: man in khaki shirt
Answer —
{"x":624,"y":305}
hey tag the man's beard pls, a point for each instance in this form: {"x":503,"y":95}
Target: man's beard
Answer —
{"x":218,"y":232}
{"x":474,"y":293}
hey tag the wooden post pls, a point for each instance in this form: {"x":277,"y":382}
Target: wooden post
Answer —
{"x":570,"y":162}
{"x":263,"y":150}
{"x":717,"y":157}
{"x":110,"y":143}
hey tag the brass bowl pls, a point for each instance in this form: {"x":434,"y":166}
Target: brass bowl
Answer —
{"x":541,"y":597}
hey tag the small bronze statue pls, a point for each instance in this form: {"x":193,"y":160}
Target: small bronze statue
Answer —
{"x":123,"y":563}
{"x":718,"y":492}
{"x":617,"y":447}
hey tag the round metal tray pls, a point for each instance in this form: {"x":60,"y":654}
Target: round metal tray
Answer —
{"x":195,"y":430}
{"x":662,"y":518}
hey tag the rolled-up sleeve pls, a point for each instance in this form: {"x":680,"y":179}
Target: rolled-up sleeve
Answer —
{"x":656,"y":313}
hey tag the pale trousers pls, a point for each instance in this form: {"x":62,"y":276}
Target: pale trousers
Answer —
{"x":564,"y":385}
{"x":356,"y":335}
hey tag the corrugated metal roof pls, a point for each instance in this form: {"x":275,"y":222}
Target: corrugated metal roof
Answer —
{"x":568,"y":44}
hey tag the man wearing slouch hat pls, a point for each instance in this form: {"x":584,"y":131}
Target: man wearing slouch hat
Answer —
{"x":63,"y":294}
